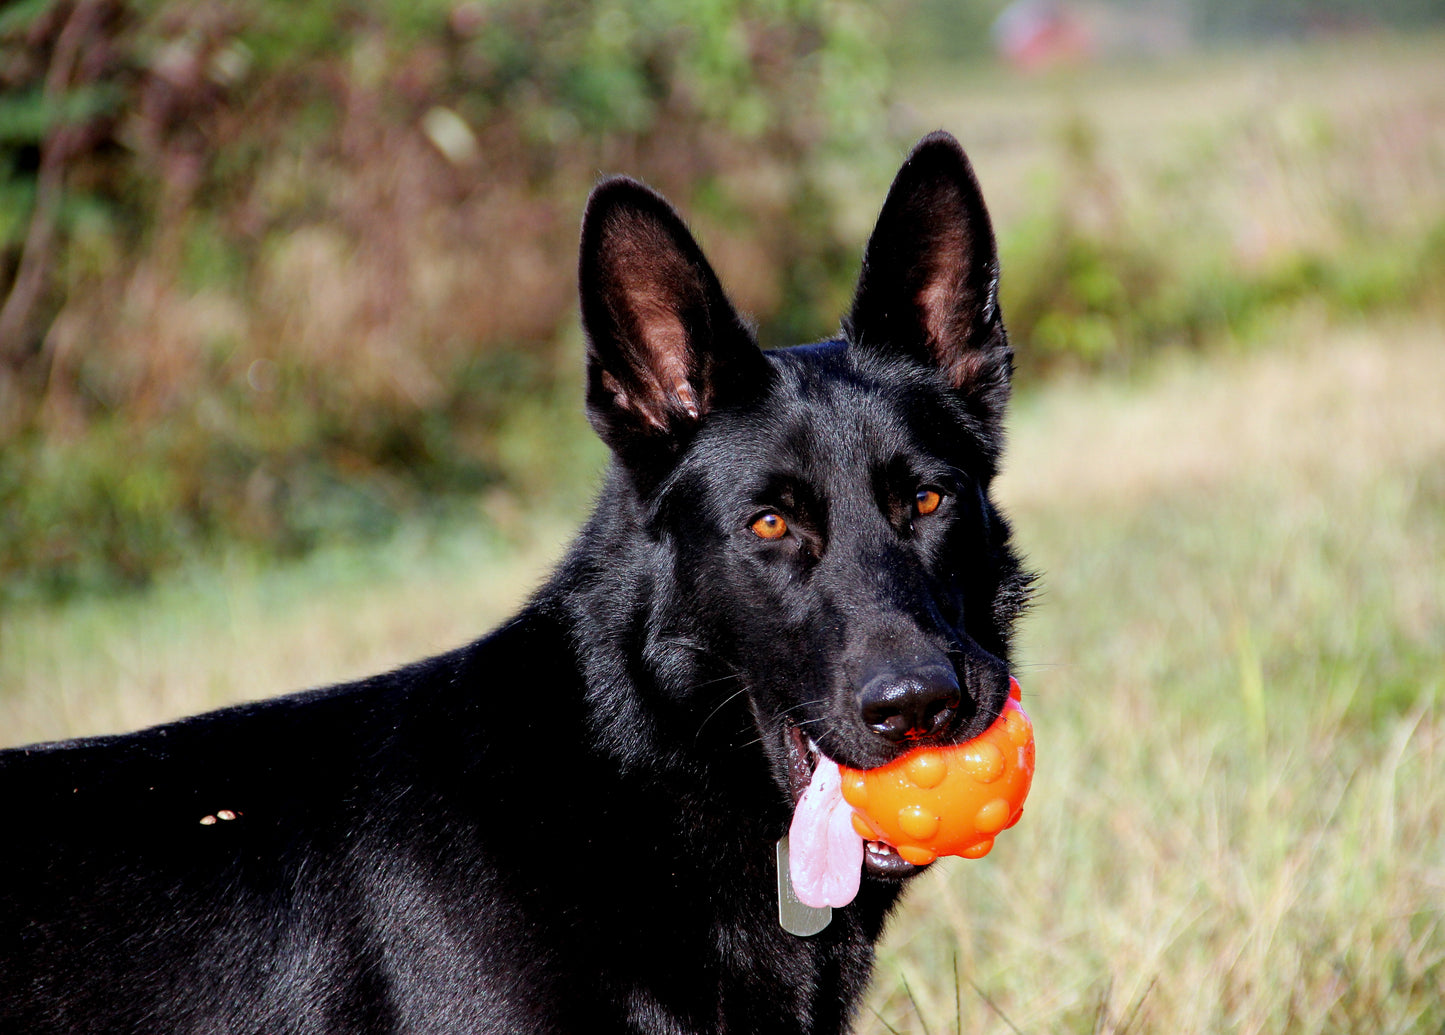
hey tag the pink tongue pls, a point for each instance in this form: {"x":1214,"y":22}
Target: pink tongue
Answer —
{"x":825,"y":853}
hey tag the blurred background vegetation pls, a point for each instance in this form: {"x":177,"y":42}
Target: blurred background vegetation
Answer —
{"x":278,"y":273}
{"x":275,"y":272}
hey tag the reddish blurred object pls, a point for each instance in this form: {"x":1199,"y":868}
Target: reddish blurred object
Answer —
{"x":1033,"y":35}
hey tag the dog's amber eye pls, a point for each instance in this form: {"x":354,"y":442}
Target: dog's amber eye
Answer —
{"x":927,"y":501}
{"x":770,"y":526}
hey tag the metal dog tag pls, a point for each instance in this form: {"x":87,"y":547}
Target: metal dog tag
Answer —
{"x":796,"y":917}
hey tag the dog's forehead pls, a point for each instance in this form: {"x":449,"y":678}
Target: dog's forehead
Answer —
{"x":835,"y":425}
{"x":827,"y":420}
{"x":826,"y":408}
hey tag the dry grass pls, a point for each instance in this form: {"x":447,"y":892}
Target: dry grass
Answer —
{"x":1235,"y":672}
{"x":213,"y":637}
{"x":1366,"y":399}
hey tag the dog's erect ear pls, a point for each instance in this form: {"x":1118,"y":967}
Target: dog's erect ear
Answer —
{"x":929,"y":286}
{"x":664,"y":344}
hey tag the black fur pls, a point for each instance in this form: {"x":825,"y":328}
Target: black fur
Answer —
{"x":568,"y":826}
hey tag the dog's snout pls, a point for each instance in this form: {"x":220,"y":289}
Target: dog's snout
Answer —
{"x":910,"y":705}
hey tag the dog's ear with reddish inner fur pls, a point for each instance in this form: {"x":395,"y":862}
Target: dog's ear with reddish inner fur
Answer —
{"x":929,"y":285}
{"x":664,"y":344}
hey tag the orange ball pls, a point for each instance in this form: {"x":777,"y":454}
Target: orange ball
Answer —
{"x":948,"y":800}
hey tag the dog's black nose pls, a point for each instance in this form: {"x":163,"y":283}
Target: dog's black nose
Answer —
{"x":910,"y":705}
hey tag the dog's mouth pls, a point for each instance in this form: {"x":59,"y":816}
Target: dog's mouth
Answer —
{"x":879,"y":859}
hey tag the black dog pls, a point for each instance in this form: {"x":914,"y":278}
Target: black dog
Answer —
{"x":570,"y":825}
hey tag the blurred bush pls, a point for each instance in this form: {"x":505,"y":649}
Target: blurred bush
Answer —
{"x":1328,"y":208}
{"x":274,"y":270}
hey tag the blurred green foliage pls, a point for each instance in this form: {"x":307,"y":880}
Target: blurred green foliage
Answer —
{"x":1235,"y":18}
{"x":952,"y":30}
{"x":282,"y":270}
{"x":1114,"y":263}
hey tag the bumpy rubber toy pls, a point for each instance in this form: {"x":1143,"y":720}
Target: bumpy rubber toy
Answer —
{"x":951,"y":800}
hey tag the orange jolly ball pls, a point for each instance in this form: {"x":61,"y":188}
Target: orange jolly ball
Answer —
{"x":948,"y":800}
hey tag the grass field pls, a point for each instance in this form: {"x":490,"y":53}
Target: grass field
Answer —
{"x":1236,"y":670}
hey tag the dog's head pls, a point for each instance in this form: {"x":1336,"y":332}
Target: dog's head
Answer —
{"x":821,"y":515}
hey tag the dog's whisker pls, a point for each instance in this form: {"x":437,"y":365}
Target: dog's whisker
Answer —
{"x":696,"y":687}
{"x":723,"y":704}
{"x":822,"y":739}
{"x":805,"y":704}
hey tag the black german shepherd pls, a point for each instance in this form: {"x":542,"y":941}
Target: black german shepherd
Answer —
{"x":570,"y":825}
